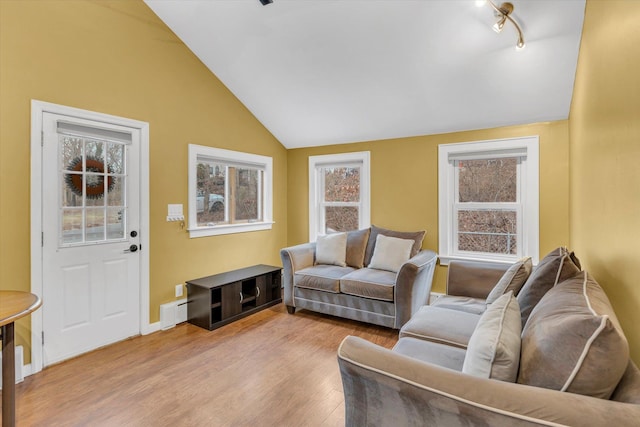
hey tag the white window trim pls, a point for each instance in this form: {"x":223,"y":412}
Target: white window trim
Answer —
{"x":263,"y":162}
{"x":529,"y":192}
{"x":360,"y":158}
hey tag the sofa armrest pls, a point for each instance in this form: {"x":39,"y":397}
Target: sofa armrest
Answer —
{"x":473,"y":278}
{"x":382,"y":388}
{"x":413,"y":285}
{"x":295,"y":258}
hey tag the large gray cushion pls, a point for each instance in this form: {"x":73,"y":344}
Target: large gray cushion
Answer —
{"x":369,"y":283}
{"x":573,"y":341}
{"x":431,"y":352}
{"x":416,"y":236}
{"x":441,"y":325}
{"x":460,"y":303}
{"x":554,"y":268}
{"x":321,"y":277}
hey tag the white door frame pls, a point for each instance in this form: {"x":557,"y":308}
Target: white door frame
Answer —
{"x":37,"y":110}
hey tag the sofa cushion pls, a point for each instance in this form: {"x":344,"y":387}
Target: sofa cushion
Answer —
{"x":557,"y":266}
{"x":494,"y":348}
{"x":573,"y":341}
{"x":356,"y":247}
{"x":332,"y":249}
{"x":390,"y":253}
{"x":416,"y":236}
{"x":512,"y":279}
{"x":369,"y":283}
{"x":460,"y":303}
{"x":431,"y":352}
{"x":441,"y":325}
{"x":321,"y":277}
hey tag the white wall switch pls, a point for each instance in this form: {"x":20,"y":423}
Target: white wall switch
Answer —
{"x":175,"y":212}
{"x":179,"y":290}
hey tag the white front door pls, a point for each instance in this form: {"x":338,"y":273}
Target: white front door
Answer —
{"x":91,"y":237}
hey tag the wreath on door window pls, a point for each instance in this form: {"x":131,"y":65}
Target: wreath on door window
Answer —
{"x":94,"y":186}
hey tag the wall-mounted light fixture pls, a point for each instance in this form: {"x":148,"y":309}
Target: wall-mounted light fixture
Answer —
{"x":503,"y":14}
{"x":266,"y":2}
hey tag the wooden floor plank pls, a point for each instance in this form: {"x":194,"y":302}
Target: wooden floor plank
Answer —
{"x":269,"y":369}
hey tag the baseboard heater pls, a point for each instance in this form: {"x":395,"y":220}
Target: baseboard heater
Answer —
{"x":19,"y":367}
{"x":173,"y":313}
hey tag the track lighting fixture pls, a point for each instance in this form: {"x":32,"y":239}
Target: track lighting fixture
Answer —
{"x":503,"y":14}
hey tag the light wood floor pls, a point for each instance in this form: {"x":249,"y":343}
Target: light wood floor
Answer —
{"x":269,"y":369}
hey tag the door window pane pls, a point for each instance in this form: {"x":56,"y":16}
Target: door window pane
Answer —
{"x":71,"y":153}
{"x":94,"y":228}
{"x":94,"y":186}
{"x":115,"y":193}
{"x":115,"y":158}
{"x":115,"y":223}
{"x":71,"y":182}
{"x":71,"y":226}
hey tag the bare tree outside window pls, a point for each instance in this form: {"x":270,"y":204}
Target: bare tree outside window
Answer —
{"x":341,"y":198}
{"x":247,"y":194}
{"x":487,"y":229}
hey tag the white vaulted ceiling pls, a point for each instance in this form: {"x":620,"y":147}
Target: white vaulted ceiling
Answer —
{"x":318,"y":72}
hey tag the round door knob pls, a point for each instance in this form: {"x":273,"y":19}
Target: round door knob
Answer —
{"x":133,"y":248}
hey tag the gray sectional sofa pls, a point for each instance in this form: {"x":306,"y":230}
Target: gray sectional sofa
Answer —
{"x":358,"y":284}
{"x":556,"y":356}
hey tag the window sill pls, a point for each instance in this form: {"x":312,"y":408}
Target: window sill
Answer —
{"x":445,"y":259}
{"x":217,"y":230}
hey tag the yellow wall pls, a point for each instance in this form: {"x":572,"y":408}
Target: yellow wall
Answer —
{"x":404,"y":183}
{"x":117,"y":57}
{"x":605,"y":154}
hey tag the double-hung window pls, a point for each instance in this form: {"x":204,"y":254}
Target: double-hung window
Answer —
{"x":488,"y":200}
{"x":338,"y":193}
{"x":229,"y":191}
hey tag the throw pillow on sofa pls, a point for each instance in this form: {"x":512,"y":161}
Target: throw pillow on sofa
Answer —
{"x":416,"y":236}
{"x":557,"y":266}
{"x":494,"y":347}
{"x":512,"y":279}
{"x":356,"y":247}
{"x":332,"y":249}
{"x":390,"y":253}
{"x":573,"y":341}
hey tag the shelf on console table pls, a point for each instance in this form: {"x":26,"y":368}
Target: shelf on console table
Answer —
{"x":217,"y":300}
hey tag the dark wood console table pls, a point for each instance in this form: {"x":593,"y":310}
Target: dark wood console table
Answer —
{"x":13,"y":306}
{"x":217,"y":300}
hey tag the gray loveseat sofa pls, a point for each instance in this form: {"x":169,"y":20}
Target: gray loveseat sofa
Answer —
{"x":356,"y":291}
{"x":572,"y":367}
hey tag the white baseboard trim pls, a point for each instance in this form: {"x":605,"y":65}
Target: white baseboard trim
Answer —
{"x":150,"y":328}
